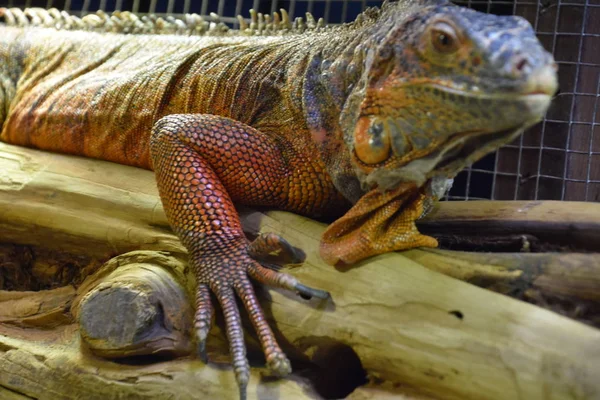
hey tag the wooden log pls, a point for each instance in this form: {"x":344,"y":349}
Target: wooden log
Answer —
{"x":515,"y":225}
{"x":43,"y":309}
{"x":566,"y":283}
{"x":134,"y":305}
{"x":52,"y":365}
{"x":411,"y":328}
{"x":69,"y":204}
{"x":98,"y":209}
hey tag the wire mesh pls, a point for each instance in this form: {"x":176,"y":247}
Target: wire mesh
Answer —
{"x":558,"y":159}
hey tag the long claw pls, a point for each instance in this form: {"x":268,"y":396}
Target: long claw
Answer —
{"x":235,"y":335}
{"x":284,"y":281}
{"x":276,"y":358}
{"x":201,"y":351}
{"x":312,"y":292}
{"x":271,"y":266}
{"x":203,"y":319}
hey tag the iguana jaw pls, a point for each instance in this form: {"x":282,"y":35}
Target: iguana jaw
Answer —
{"x":461,"y":151}
{"x":447,"y":154}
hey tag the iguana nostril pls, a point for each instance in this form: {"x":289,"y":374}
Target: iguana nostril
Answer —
{"x":522,"y":66}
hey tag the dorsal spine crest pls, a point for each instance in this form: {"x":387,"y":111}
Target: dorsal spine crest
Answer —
{"x":189,"y":24}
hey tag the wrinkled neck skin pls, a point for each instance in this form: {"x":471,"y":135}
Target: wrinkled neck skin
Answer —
{"x":333,"y":89}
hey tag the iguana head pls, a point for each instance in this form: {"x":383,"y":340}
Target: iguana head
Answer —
{"x":441,"y":86}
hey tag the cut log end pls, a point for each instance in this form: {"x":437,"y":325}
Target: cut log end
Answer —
{"x":137,"y":309}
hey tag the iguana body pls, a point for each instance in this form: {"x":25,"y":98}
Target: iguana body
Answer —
{"x":99,"y":95}
{"x":372,"y":115}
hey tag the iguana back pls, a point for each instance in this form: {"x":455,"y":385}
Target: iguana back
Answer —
{"x":99,"y":94}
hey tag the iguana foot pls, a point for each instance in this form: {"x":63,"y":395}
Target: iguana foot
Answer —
{"x":201,"y":162}
{"x":225,"y":266}
{"x":378,"y":223}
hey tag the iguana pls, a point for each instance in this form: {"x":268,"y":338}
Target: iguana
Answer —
{"x":363,"y":122}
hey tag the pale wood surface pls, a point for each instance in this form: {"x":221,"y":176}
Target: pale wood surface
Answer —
{"x":41,"y":365}
{"x":398,"y":316}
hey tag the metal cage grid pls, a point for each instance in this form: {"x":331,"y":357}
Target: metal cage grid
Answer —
{"x":558,"y":159}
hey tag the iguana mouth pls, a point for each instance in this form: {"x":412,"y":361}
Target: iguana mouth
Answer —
{"x":461,"y":148}
{"x":468,"y":147}
{"x":464,"y":148}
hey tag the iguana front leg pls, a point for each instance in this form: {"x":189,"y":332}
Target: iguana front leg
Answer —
{"x":201,"y":163}
{"x":380,"y":222}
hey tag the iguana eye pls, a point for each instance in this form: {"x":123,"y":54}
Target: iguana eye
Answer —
{"x":371,"y":141}
{"x":444,"y":38}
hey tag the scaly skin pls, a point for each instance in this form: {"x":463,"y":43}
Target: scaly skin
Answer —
{"x":369,"y":118}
